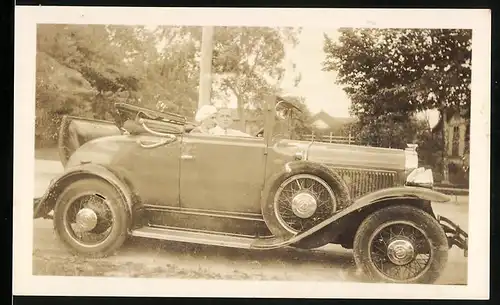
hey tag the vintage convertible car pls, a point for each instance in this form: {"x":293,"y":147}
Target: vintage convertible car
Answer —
{"x":145,"y":175}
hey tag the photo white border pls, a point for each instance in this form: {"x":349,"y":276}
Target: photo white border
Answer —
{"x":26,"y":19}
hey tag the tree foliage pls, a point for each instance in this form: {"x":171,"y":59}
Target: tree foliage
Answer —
{"x":85,"y":69}
{"x":250,"y":62}
{"x":390,"y":74}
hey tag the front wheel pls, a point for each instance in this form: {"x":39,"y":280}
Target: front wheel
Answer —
{"x":90,"y":218}
{"x":401,"y":244}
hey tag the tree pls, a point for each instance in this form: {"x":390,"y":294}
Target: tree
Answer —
{"x":177,"y":68}
{"x":92,"y":52}
{"x":84,"y":69}
{"x":247,"y":63}
{"x":80,"y":71}
{"x":390,"y":74}
{"x":59,"y":90}
{"x":251,"y":59}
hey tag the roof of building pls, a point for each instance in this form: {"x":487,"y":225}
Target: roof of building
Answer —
{"x":323,"y":120}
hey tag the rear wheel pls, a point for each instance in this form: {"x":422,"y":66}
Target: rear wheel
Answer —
{"x":90,"y":218}
{"x":401,"y":244}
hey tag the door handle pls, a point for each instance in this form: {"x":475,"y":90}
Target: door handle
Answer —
{"x":154,"y":144}
{"x":187,"y":157}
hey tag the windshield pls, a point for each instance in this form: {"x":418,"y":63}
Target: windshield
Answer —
{"x":286,"y":122}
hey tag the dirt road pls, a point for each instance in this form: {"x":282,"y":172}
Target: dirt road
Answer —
{"x":149,"y":258}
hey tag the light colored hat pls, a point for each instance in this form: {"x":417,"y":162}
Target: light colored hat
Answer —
{"x":205,"y":112}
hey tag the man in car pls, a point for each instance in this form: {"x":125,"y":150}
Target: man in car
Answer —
{"x":224,"y":120}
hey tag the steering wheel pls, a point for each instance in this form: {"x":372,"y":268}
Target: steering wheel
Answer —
{"x":260,"y":133}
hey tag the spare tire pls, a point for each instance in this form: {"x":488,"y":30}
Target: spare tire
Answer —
{"x":302,"y":197}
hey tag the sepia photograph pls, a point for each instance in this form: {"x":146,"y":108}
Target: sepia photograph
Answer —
{"x":252,"y":153}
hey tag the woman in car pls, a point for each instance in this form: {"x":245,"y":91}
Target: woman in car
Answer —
{"x":206,"y":119}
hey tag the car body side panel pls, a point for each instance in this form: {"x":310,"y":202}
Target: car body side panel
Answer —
{"x":152,"y":173}
{"x":352,"y":156}
{"x":386,"y":168}
{"x":222,"y":173}
{"x":336,"y":155}
{"x":280,"y":153}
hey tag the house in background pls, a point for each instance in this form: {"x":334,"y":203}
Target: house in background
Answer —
{"x":456,"y":128}
{"x":326,"y":128}
{"x":325,"y":124}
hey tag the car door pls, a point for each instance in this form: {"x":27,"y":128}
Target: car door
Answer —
{"x":152,"y":170}
{"x":222,"y":173}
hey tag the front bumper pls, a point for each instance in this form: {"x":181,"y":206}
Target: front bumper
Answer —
{"x":456,"y":236}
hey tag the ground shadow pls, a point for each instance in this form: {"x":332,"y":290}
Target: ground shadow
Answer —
{"x":286,"y":255}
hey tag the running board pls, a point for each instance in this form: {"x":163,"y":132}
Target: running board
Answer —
{"x":214,"y":238}
{"x":196,"y":237}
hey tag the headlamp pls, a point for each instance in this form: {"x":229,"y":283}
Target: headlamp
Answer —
{"x":420,"y":177}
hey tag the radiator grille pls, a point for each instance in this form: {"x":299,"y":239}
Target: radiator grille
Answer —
{"x":361,"y":182}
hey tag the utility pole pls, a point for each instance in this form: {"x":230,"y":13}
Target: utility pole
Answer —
{"x":205,"y":88}
{"x":446,"y":173}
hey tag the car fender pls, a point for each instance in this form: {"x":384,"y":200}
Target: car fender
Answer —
{"x":369,"y":200}
{"x":45,"y":204}
{"x":404,"y":192}
{"x":293,"y":167}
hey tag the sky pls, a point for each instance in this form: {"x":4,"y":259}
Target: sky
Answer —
{"x":317,"y":87}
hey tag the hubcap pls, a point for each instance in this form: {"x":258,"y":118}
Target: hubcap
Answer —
{"x":86,"y":219}
{"x":304,"y":205}
{"x":400,"y":252}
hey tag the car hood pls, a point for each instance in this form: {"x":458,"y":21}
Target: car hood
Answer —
{"x":354,"y":156}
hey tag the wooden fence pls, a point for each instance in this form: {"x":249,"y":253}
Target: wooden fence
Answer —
{"x":332,"y":139}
